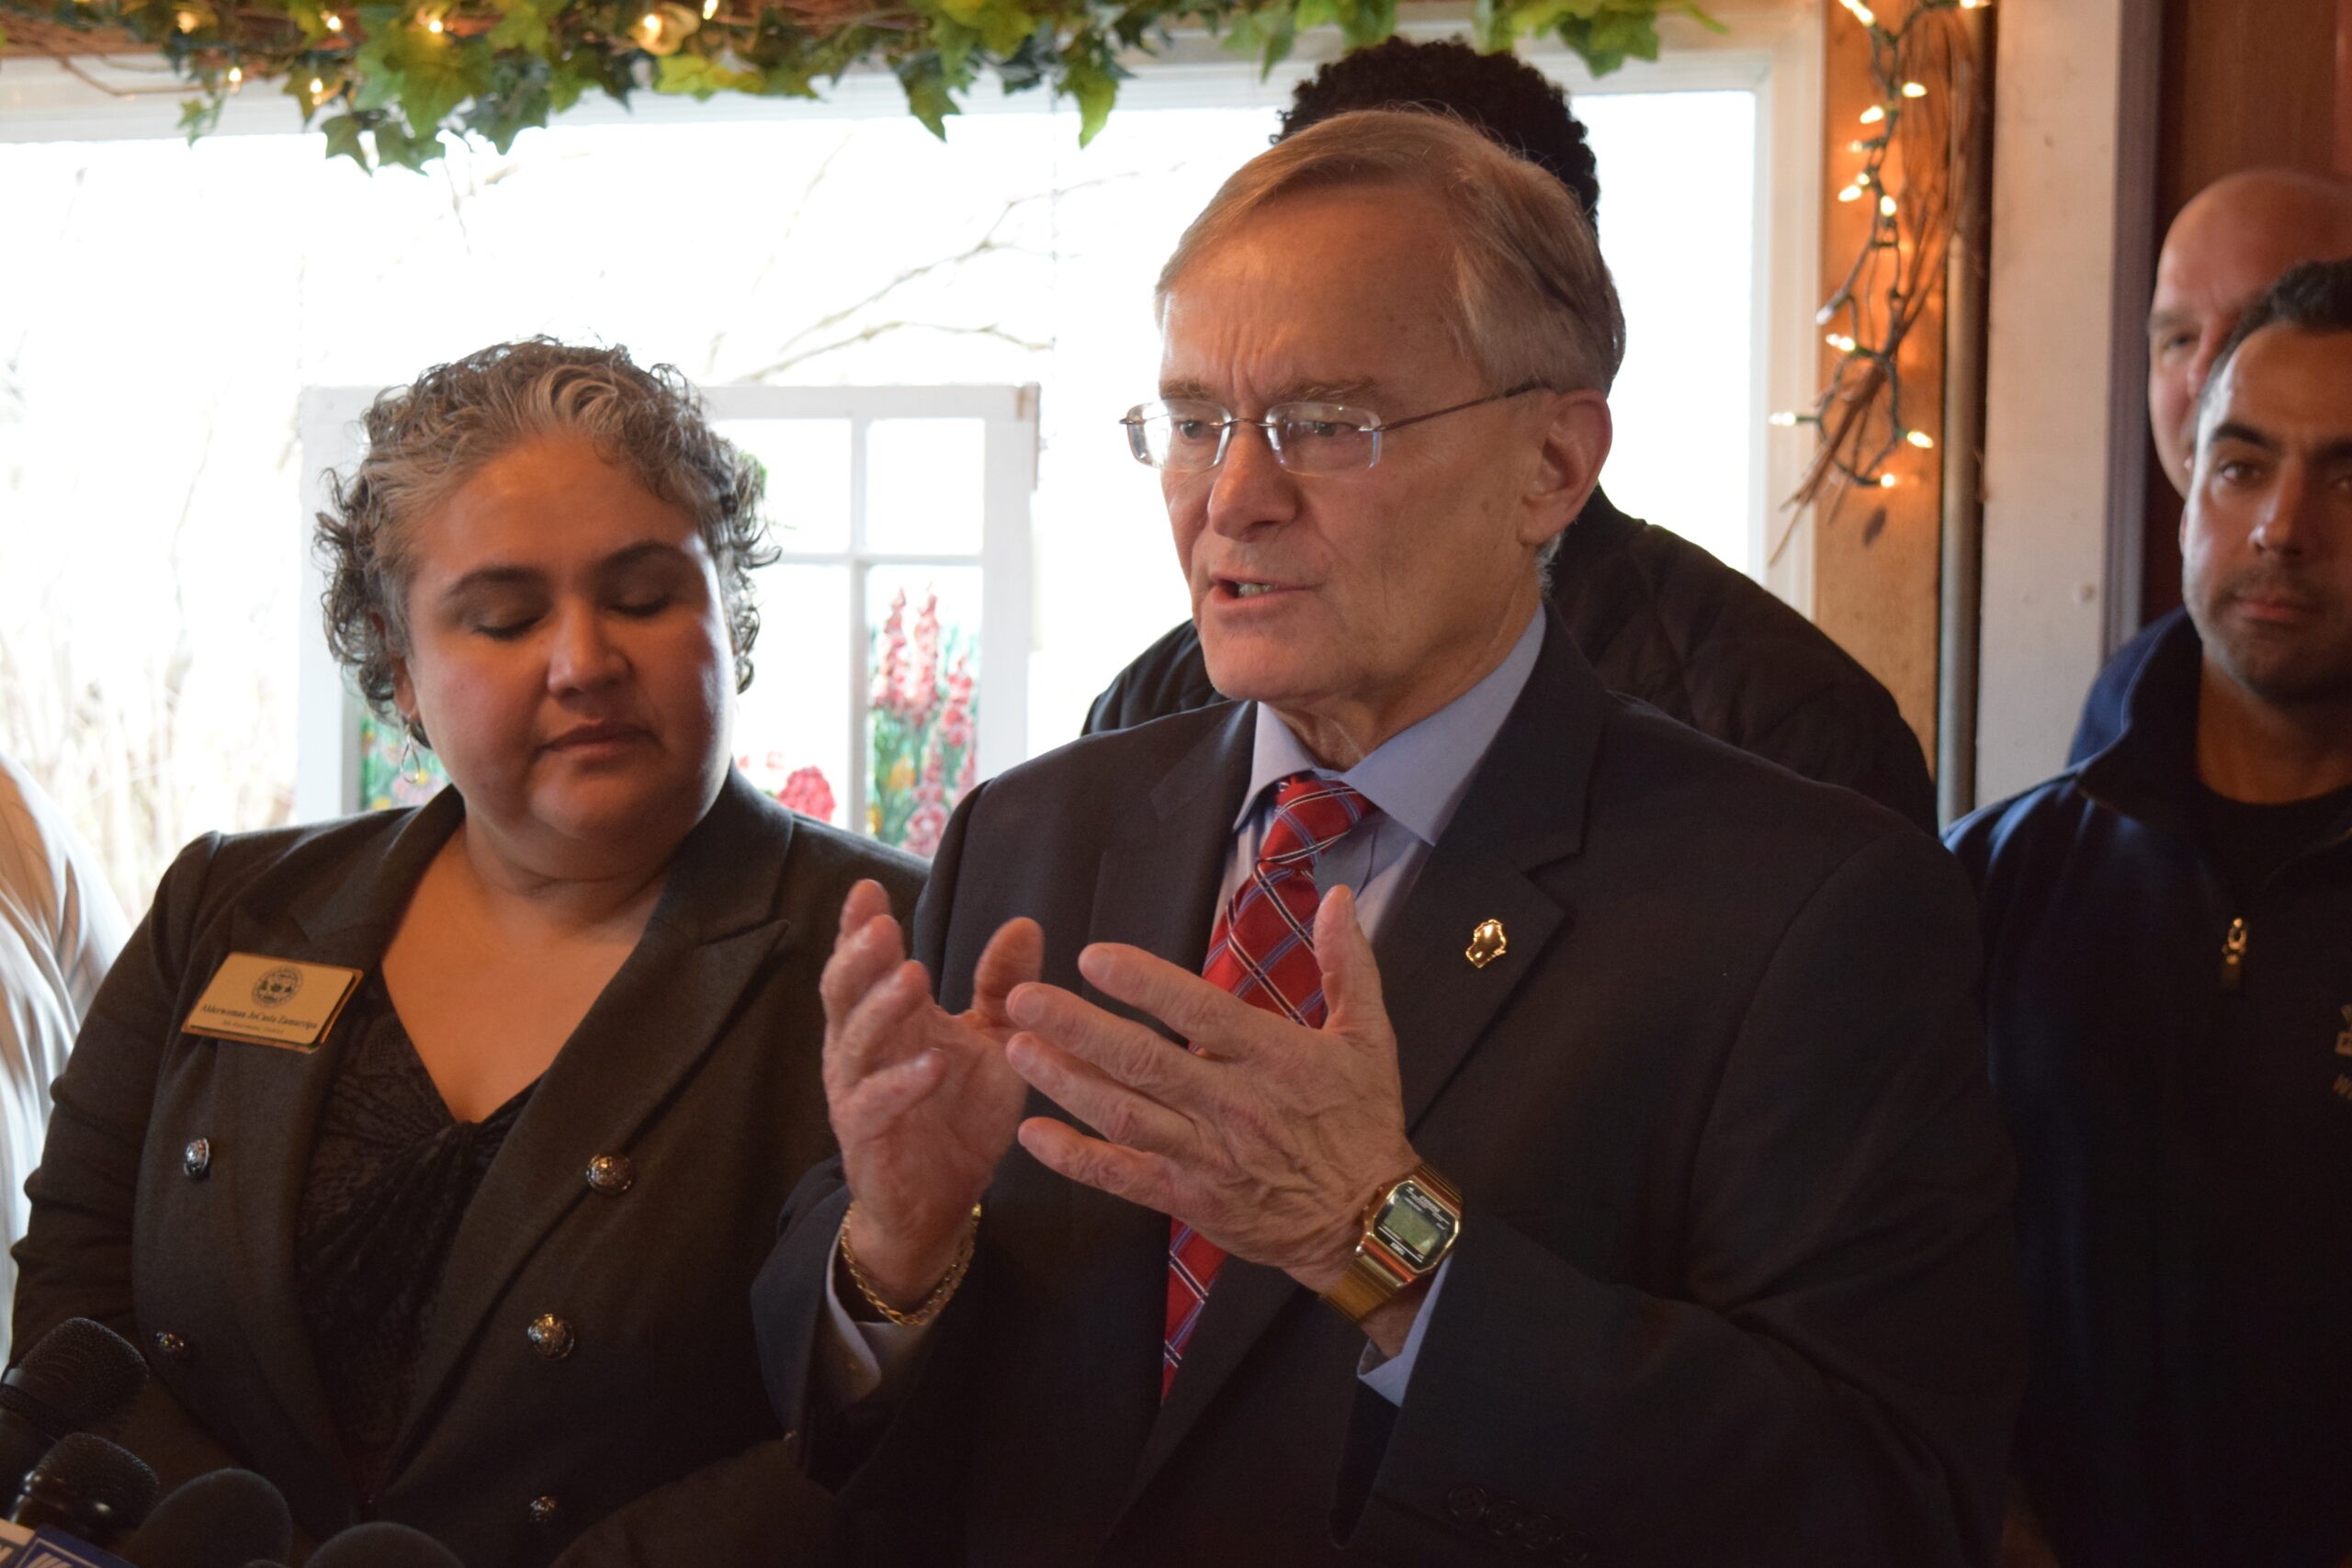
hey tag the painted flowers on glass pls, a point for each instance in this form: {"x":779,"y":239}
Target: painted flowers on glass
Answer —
{"x":921,"y":731}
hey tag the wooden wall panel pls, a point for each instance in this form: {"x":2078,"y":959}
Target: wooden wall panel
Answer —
{"x":1877,"y":555}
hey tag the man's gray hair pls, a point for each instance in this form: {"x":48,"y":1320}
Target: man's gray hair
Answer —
{"x":1531,"y":301}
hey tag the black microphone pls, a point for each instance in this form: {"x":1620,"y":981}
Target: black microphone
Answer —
{"x":88,"y":1488}
{"x":82,"y":1377}
{"x":380,"y":1543}
{"x":223,"y":1518}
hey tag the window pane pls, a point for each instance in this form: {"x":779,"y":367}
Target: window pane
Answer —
{"x":1678,"y":222}
{"x":792,"y":734}
{"x":922,"y":732}
{"x":808,"y":473}
{"x":925,"y":486}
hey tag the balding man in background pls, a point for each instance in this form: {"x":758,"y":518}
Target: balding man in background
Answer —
{"x":2232,"y":240}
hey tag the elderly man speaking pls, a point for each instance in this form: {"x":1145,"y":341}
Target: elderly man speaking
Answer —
{"x":1582,"y":1152}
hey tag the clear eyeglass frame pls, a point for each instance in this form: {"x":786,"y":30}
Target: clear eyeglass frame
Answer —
{"x":1188,"y":436}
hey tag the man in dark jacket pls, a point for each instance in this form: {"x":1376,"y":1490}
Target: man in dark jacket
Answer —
{"x":2169,"y":996}
{"x":1658,"y":617}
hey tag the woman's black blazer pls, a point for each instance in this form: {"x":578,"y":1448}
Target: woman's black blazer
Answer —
{"x":698,"y":1066}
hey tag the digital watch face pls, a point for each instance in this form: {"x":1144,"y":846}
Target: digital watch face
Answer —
{"x":1416,"y":1227}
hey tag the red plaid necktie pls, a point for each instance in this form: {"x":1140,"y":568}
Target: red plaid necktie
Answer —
{"x":1264,"y":952}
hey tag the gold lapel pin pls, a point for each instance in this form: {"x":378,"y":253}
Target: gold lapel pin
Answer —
{"x":1486,"y":944}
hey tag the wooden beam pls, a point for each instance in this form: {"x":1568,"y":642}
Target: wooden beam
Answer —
{"x":1878,"y":555}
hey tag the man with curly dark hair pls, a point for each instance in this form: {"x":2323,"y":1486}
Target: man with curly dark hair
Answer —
{"x":1660,"y":618}
{"x":1498,"y":95}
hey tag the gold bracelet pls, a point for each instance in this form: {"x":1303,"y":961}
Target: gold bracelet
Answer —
{"x":931,"y":1305}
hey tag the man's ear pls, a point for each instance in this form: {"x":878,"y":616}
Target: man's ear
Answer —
{"x":1576,"y":436}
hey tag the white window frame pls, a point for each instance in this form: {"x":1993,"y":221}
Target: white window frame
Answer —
{"x":328,"y":710}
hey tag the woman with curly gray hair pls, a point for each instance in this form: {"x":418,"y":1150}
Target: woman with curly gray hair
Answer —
{"x":430,"y":1153}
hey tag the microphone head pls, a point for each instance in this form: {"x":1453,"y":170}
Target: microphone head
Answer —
{"x":223,"y":1518}
{"x":380,"y":1543}
{"x":81,"y":1377}
{"x":91,"y":1487}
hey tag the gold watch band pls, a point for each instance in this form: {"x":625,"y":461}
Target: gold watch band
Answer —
{"x":1375,"y":1275}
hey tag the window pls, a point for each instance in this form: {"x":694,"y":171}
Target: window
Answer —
{"x":153,"y":609}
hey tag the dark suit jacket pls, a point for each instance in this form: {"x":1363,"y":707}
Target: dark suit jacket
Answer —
{"x":1661,"y":620}
{"x":698,"y":1062}
{"x":1737,"y":1282}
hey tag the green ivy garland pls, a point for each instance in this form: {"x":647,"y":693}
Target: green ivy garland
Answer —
{"x":401,"y":73}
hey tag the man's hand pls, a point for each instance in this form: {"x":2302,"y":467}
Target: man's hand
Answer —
{"x":1268,"y":1138}
{"x":922,"y":1101}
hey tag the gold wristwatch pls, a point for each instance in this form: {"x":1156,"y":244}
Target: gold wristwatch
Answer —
{"x":1408,"y":1227}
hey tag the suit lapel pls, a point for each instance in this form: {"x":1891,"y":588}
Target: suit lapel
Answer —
{"x":287,"y":1091}
{"x":711,"y":931}
{"x":1525,"y":809}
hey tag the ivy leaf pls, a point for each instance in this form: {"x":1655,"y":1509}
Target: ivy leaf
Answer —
{"x":395,"y":145}
{"x":342,"y":141}
{"x":1371,"y":21}
{"x":516,"y":102}
{"x":440,"y":74}
{"x":1490,"y":25}
{"x":524,"y":26}
{"x":787,"y":82}
{"x":1095,"y":85}
{"x":927,"y":96}
{"x":198,"y":116}
{"x":1692,"y":10}
{"x":701,"y":76}
{"x":308,"y":16}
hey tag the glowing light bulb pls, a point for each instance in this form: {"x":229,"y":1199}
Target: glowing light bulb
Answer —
{"x":1921,"y":439}
{"x":1874,"y":114}
{"x":1915,"y":90}
{"x":709,"y":9}
{"x":1840,"y":342}
{"x":650,"y":25}
{"x":1783,"y":418}
{"x":1862,"y":13}
{"x":236,"y":75}
{"x":186,"y":21}
{"x":334,"y":22}
{"x":1886,"y":205}
{"x":433,"y":25}
{"x":1851,"y":193}
{"x":1887,"y":481}
{"x":318,"y":88}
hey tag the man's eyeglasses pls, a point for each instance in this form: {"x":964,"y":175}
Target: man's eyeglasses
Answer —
{"x":1187,"y":436}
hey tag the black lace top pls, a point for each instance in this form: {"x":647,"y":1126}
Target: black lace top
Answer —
{"x":391,"y":1176}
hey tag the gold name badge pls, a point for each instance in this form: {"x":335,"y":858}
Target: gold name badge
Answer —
{"x":258,"y":1001}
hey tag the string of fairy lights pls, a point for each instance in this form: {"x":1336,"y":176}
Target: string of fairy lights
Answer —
{"x":1913,"y":168}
